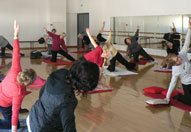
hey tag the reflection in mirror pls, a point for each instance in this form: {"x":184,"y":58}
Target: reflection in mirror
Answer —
{"x":152,"y":29}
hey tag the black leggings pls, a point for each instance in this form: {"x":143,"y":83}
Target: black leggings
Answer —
{"x":186,"y":98}
{"x":3,"y":49}
{"x":120,"y":58}
{"x":62,"y":52}
{"x":143,"y":53}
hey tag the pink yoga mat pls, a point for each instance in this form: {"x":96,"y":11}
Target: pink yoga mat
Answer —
{"x":101,"y":88}
{"x":174,"y":102}
{"x":39,"y":82}
{"x":59,"y":62}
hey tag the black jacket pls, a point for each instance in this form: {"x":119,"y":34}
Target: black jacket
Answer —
{"x":54,"y":110}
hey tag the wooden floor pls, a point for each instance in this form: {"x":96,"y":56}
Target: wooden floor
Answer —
{"x":122,"y":110}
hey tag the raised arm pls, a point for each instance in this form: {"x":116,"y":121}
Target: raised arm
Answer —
{"x":185,"y":48}
{"x":91,"y":38}
{"x":49,"y":33}
{"x":137,"y":33}
{"x":16,"y":66}
{"x":102,"y":28}
{"x":109,"y":37}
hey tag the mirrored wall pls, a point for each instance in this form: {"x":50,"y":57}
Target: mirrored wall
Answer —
{"x":152,"y":28}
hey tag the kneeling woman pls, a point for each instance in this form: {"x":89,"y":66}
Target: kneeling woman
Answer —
{"x":13,"y":88}
{"x":54,"y":110}
{"x":181,"y":68}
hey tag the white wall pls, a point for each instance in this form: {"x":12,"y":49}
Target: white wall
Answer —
{"x":105,"y":9}
{"x":32,"y":15}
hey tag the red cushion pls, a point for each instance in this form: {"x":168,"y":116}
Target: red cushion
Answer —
{"x":174,"y":92}
{"x":153,"y":89}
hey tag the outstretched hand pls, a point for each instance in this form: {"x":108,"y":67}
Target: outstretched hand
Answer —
{"x":87,"y":30}
{"x":138,"y":27}
{"x":16,"y":29}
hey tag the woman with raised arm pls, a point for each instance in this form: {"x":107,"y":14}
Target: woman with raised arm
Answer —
{"x":58,"y":41}
{"x":13,"y":88}
{"x":114,"y":54}
{"x":181,"y":67}
{"x":135,"y":49}
{"x":97,"y":55}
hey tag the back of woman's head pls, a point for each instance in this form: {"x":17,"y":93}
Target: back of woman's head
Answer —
{"x":170,"y":59}
{"x":84,"y":76}
{"x":26,"y":77}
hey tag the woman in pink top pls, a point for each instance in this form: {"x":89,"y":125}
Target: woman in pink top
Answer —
{"x":58,"y":40}
{"x":13,"y":88}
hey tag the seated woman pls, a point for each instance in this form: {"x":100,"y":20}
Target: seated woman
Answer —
{"x":135,"y":49}
{"x":54,"y":110}
{"x":13,"y":88}
{"x":114,"y":54}
{"x":58,"y":40}
{"x":181,"y":67}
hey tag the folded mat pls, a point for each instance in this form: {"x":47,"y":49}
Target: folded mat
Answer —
{"x":59,"y":62}
{"x":164,"y":70}
{"x":173,"y":102}
{"x":118,"y":72}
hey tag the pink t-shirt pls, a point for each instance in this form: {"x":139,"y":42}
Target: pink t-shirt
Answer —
{"x":95,"y":56}
{"x":11,"y":92}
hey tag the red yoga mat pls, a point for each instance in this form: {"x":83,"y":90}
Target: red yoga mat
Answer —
{"x":141,"y":62}
{"x":174,"y":102}
{"x":163,"y":71}
{"x":59,"y":62}
{"x":1,"y":67}
{"x":101,"y":88}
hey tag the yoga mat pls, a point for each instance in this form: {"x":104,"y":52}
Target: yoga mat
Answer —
{"x":59,"y":62}
{"x":141,"y":62}
{"x":118,"y":72}
{"x":101,"y":88}
{"x":1,"y":67}
{"x":39,"y":82}
{"x":162,"y":70}
{"x":45,"y":53}
{"x":22,"y":129}
{"x":173,"y":102}
{"x":79,"y":52}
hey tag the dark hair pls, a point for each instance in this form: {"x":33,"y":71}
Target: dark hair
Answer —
{"x":54,"y":30}
{"x":83,"y":76}
{"x":126,"y":41}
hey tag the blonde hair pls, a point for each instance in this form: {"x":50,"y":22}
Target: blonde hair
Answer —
{"x":26,"y":77}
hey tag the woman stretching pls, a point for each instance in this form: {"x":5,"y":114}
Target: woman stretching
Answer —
{"x":58,"y":40}
{"x":181,"y":67}
{"x":97,"y":55}
{"x":13,"y":88}
{"x":114,"y":54}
